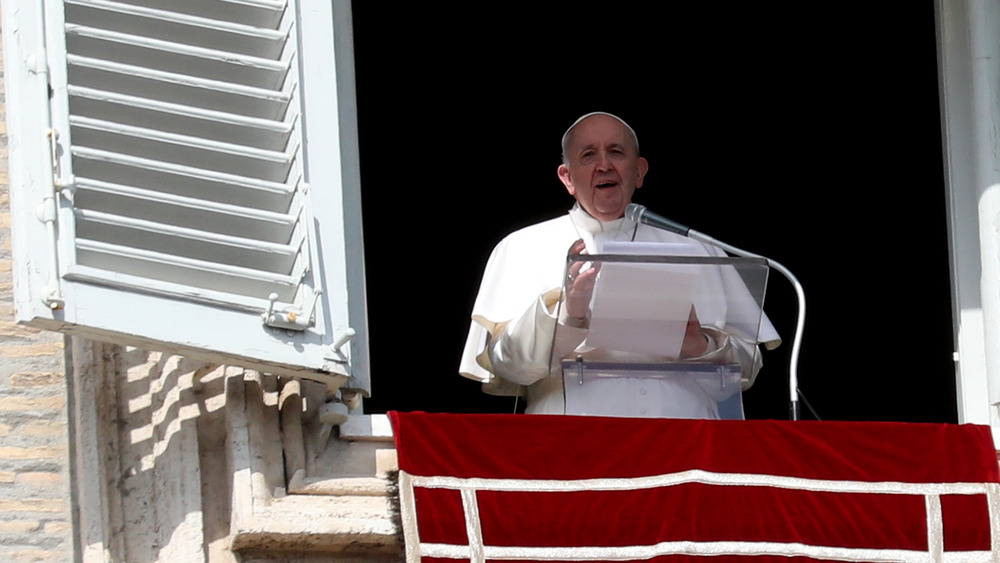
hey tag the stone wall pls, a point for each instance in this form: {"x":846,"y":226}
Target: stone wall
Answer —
{"x":35,"y":505}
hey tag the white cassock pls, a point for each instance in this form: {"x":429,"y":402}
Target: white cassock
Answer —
{"x":510,"y":344}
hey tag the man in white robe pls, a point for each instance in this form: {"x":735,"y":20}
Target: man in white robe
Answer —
{"x":520,"y":303}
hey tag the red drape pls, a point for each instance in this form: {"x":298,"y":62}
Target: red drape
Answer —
{"x":666,"y":490}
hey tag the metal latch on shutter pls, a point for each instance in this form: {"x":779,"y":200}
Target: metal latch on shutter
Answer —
{"x":295,"y":319}
{"x":300,"y":320}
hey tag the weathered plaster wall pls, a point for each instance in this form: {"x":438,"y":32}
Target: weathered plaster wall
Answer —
{"x":35,"y":506}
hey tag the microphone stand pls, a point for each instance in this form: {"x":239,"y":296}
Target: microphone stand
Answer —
{"x":640,"y":214}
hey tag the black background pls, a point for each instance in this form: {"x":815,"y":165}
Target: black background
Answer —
{"x":809,"y":133}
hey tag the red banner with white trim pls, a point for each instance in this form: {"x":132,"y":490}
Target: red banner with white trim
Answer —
{"x":483,"y":488}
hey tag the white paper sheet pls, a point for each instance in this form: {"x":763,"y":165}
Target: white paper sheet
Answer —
{"x":643,"y":308}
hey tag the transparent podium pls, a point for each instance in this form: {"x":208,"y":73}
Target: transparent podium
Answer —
{"x":667,"y":336}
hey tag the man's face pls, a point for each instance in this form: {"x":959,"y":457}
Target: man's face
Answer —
{"x":603,"y":167}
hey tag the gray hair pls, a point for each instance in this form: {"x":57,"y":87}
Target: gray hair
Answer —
{"x":565,"y":137}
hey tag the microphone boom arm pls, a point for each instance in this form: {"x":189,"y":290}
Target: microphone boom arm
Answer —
{"x":793,"y":362}
{"x":640,"y":214}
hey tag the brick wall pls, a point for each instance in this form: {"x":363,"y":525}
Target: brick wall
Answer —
{"x":35,"y":508}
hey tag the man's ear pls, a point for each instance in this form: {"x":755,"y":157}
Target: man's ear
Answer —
{"x":641,"y":171}
{"x":563,"y":172}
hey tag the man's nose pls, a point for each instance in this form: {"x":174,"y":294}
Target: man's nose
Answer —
{"x":603,"y":161}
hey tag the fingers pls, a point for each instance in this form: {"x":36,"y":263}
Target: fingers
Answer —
{"x":578,"y":295}
{"x":694,"y":343}
{"x":580,"y":283}
{"x":578,"y":247}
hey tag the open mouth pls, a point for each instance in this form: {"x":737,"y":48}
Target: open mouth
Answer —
{"x":607,"y":184}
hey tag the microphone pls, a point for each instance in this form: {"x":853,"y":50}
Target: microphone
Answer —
{"x":640,"y":214}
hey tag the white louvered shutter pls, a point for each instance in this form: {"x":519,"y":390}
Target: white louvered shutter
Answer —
{"x":167,"y":192}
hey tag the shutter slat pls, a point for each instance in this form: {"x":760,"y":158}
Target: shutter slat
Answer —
{"x":136,"y":284}
{"x":159,"y":24}
{"x":245,"y":222}
{"x":180,"y":270}
{"x":189,"y":243}
{"x":257,"y":13}
{"x":170,"y":87}
{"x":178,"y":179}
{"x":175,"y":118}
{"x":189,"y":151}
{"x":175,"y":57}
{"x":232,"y":222}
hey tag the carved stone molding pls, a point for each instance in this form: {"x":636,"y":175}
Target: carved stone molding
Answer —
{"x":176,"y":461}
